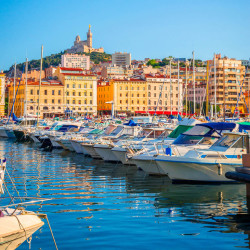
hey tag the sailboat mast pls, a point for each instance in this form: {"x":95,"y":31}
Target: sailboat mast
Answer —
{"x":186,"y":88}
{"x":178,"y":65}
{"x":14,"y":88}
{"x":170,"y":89}
{"x":224,"y":93}
{"x":40,"y":82}
{"x":194,"y":81}
{"x":207,"y":89}
{"x":26,"y":81}
{"x":215,"y":101}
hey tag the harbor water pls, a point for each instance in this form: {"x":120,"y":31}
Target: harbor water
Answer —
{"x":97,"y":205}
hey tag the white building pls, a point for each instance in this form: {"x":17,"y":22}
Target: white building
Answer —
{"x":75,"y":61}
{"x":121,"y":59}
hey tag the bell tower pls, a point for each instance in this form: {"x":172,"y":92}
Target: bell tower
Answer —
{"x":89,"y":37}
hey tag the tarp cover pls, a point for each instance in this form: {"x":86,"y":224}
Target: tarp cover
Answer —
{"x":131,"y":123}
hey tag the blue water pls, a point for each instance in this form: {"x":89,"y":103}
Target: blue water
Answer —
{"x":97,"y":205}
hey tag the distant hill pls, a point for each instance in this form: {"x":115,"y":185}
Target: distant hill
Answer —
{"x":55,"y":60}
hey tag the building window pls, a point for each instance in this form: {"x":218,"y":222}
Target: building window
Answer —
{"x":90,"y":101}
{"x":53,"y":101}
{"x":67,"y":85}
{"x":79,"y":86}
{"x":79,"y":93}
{"x":45,"y":92}
{"x":37,"y":92}
{"x":90,"y":93}
{"x":59,"y":92}
{"x":74,"y":86}
{"x":67,"y":101}
{"x":59,"y":101}
{"x":45,"y":101}
{"x":53,"y":92}
{"x":31,"y":91}
{"x":74,"y":101}
{"x":79,"y":102}
{"x":67,"y":93}
{"x":74,"y":93}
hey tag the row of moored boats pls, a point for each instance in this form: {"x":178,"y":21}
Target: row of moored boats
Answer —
{"x":185,"y":151}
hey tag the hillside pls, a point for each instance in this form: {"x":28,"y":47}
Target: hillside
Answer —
{"x":55,"y":60}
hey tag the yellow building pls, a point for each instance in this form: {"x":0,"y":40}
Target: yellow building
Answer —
{"x":80,"y":90}
{"x":2,"y":93}
{"x":128,"y":95}
{"x":51,"y":98}
{"x":229,"y":79}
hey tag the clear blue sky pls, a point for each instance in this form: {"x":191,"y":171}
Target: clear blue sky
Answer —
{"x":145,"y":28}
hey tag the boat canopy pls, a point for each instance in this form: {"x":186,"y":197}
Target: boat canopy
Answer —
{"x":179,"y":130}
{"x":219,"y":126}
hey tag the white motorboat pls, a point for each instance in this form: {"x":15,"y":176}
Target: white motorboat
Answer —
{"x":201,"y":136}
{"x":122,"y":132}
{"x":16,"y":226}
{"x":207,"y":165}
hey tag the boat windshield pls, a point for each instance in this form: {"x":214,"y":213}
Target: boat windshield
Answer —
{"x":226,"y":141}
{"x":53,"y":126}
{"x":116,"y":131}
{"x":208,"y":141}
{"x":144,"y":133}
{"x":197,"y":130}
{"x":187,"y":139}
{"x":109,"y":129}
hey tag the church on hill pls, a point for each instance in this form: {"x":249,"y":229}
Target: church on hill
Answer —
{"x":84,"y":46}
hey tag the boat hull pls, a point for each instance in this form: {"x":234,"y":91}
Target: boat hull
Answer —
{"x":106,"y":153}
{"x":3,"y":133}
{"x":187,"y":170}
{"x":77,"y":147}
{"x":21,"y":136}
{"x":148,"y":165}
{"x":12,"y":233}
{"x":89,"y":148}
{"x":121,"y":155}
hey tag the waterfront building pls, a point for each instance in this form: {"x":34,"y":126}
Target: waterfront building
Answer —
{"x":51,"y":98}
{"x":113,"y":72}
{"x":200,"y":93}
{"x":229,"y":83}
{"x":128,"y":95}
{"x":80,"y":90}
{"x":247,"y":92}
{"x":246,"y":63}
{"x":2,"y":93}
{"x":84,"y":46}
{"x":75,"y":61}
{"x":161,"y":95}
{"x":34,"y":74}
{"x":121,"y":59}
{"x":49,"y":72}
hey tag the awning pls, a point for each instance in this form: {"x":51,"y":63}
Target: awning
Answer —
{"x":160,"y":112}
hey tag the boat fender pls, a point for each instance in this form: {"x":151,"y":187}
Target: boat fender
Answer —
{"x":219,"y":169}
{"x":169,"y":151}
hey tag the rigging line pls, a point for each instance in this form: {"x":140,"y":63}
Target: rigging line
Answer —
{"x":15,"y":96}
{"x":239,"y":95}
{"x":13,"y":184}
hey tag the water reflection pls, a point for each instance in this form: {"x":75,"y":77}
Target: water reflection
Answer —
{"x":95,"y":202}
